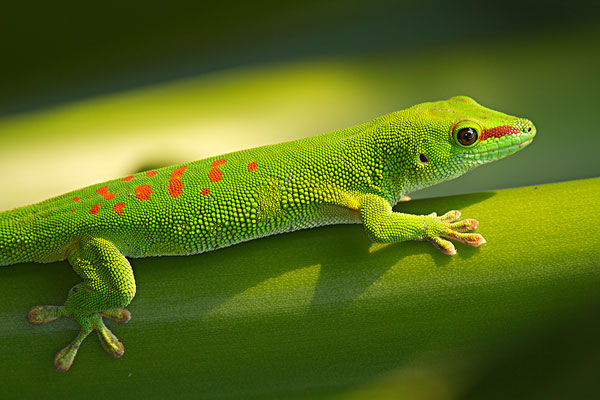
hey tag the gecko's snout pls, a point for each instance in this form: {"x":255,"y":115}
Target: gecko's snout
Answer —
{"x":528,"y":127}
{"x":528,"y":132}
{"x":525,"y":128}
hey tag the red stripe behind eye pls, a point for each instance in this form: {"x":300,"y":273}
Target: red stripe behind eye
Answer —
{"x":499,"y":131}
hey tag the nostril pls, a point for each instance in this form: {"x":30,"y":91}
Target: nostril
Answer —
{"x":529,"y":129}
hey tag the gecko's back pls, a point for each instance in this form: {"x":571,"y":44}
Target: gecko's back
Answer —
{"x":192,"y":207}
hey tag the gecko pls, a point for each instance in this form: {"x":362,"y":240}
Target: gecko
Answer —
{"x":352,"y":175}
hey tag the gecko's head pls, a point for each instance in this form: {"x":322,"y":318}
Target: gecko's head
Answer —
{"x":480,"y":135}
{"x":459,"y":134}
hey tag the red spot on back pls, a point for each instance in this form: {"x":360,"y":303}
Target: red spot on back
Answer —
{"x":252,"y":166}
{"x":178,"y":172}
{"x":72,"y":210}
{"x":176,"y":184}
{"x":175,"y":187}
{"x":103,"y":191}
{"x":218,"y":162}
{"x":95,"y":208}
{"x":76,"y":198}
{"x":215,"y":175}
{"x":118,"y":208}
{"x":150,"y":174}
{"x":127,"y":178}
{"x":204,"y":191}
{"x":499,"y":131}
{"x":142,"y":192}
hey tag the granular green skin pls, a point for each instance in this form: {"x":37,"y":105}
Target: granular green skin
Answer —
{"x":352,"y":175}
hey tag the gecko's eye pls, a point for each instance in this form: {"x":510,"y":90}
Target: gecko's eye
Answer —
{"x":465,"y":134}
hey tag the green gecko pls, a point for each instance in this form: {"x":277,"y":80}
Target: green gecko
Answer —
{"x":352,"y":175}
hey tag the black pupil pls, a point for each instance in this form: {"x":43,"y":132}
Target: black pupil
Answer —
{"x":467,"y":136}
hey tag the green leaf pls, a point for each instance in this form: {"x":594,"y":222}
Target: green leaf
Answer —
{"x":323,"y":312}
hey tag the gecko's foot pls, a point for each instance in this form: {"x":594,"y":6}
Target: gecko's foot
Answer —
{"x":43,"y":314}
{"x":453,"y":229}
{"x":64,"y":358}
{"x":89,"y":322}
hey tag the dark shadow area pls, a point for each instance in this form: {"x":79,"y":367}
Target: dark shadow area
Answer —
{"x":566,"y":348}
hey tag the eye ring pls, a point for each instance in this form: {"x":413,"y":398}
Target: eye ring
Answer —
{"x":466,"y":134}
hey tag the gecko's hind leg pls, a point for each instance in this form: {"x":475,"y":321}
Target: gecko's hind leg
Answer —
{"x":108,"y":286}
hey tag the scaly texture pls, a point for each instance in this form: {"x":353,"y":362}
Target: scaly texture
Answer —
{"x":348,"y":176}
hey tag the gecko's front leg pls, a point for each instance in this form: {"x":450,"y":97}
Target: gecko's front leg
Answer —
{"x":385,"y":226}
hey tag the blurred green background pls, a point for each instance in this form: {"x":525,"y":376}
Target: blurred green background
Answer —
{"x":91,"y":92}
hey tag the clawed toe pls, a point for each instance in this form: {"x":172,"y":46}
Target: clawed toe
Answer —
{"x":64,"y":358}
{"x":471,"y":239}
{"x":118,"y":315}
{"x":443,"y":245}
{"x":466,"y":225}
{"x":42,"y":314}
{"x":109,"y":341}
{"x":450,"y":216}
